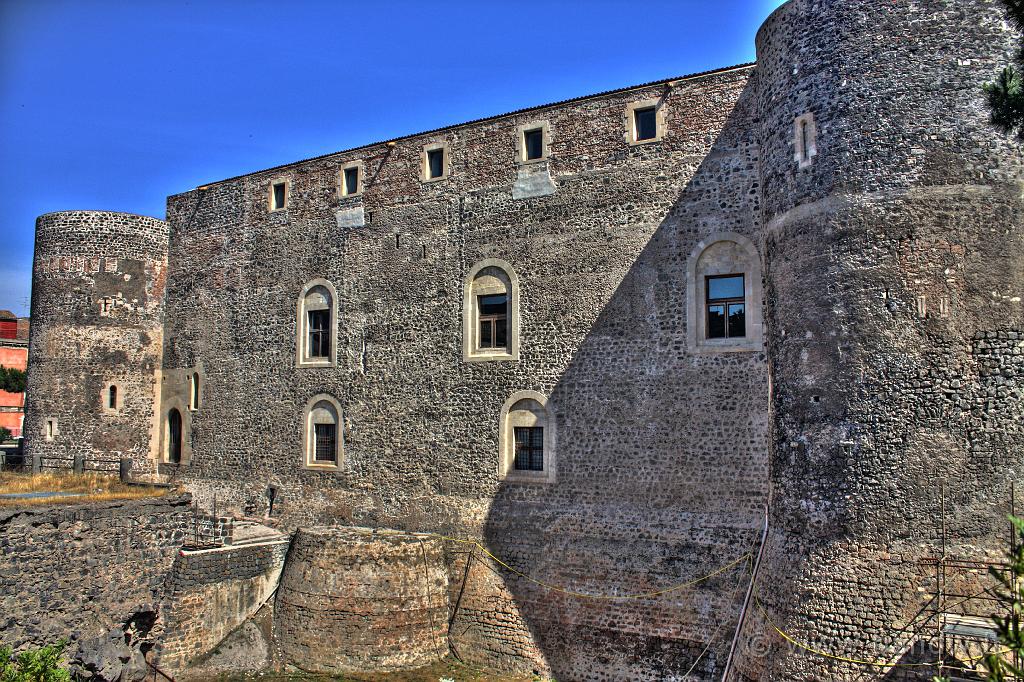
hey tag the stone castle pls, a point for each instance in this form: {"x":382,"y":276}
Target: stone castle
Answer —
{"x":622,"y":341}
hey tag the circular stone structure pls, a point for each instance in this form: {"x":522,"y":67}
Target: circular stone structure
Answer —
{"x":362,"y":600}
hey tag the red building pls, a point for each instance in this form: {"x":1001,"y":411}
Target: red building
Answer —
{"x":13,"y":354}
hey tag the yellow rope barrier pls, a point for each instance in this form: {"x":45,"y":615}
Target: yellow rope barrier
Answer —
{"x":573,"y":593}
{"x":679,"y":586}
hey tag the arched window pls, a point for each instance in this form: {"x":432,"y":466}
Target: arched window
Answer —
{"x":323,"y":445}
{"x":174,"y":436}
{"x":111,"y":397}
{"x":316,"y":325}
{"x":723,"y":295}
{"x":193,"y":391}
{"x":526,"y":439}
{"x":490,"y":312}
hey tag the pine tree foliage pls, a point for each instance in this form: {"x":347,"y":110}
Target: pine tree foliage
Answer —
{"x":1006,"y":93}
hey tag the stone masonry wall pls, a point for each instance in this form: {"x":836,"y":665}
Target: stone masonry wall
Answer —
{"x":210,"y":593}
{"x":893,"y":298}
{"x":97,"y":319}
{"x":80,"y":570}
{"x":660,"y":456}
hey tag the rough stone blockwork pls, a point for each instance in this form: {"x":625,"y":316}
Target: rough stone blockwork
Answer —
{"x":97,"y":309}
{"x":893,"y":304}
{"x":660,"y":453}
{"x":83,"y":569}
{"x":354,"y":600}
{"x":854,"y":181}
{"x":210,"y":593}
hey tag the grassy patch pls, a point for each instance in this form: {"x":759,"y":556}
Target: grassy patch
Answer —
{"x":87,"y":487}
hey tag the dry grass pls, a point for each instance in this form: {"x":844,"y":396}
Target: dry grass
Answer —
{"x":90,"y":486}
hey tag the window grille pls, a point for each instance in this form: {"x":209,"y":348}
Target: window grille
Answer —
{"x":319,"y":333}
{"x":493,"y":321}
{"x":726,"y":308}
{"x":325,"y":442}
{"x":529,"y":448}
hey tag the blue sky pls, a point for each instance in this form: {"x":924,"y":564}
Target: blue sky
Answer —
{"x":114,"y":105}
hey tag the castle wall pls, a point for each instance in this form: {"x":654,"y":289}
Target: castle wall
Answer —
{"x":97,"y":302}
{"x":80,"y":570}
{"x":660,"y":455}
{"x":893,"y":299}
{"x":211,"y":592}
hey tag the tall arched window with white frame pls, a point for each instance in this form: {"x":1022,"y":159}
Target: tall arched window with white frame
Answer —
{"x":316,"y":325}
{"x":490,"y":311}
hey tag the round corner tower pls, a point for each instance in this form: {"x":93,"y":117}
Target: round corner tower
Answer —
{"x":893,"y":218}
{"x":96,"y":338}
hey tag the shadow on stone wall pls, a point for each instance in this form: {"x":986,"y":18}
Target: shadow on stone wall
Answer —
{"x":661,"y":463}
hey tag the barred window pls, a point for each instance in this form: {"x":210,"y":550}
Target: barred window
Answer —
{"x":326,"y":442}
{"x":323,"y":448}
{"x":529,"y":442}
{"x":319,"y":333}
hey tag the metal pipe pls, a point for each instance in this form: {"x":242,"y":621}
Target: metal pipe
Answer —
{"x":746,"y":599}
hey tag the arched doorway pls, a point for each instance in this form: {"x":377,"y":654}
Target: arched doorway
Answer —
{"x":174,"y":436}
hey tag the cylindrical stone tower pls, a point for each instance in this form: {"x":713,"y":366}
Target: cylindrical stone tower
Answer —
{"x":356,"y":600}
{"x":894,"y":249}
{"x":96,"y":337}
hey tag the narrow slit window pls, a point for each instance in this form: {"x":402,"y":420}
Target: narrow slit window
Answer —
{"x":49,"y":429}
{"x":645,"y":123}
{"x":805,"y":144}
{"x":533,"y":141}
{"x":112,"y":398}
{"x":195,"y":391}
{"x":278,"y":195}
{"x":493,"y":321}
{"x":435,"y":163}
{"x":351,"y":181}
{"x":325,"y":438}
{"x":319,"y":333}
{"x":529,"y":444}
{"x":726,"y":307}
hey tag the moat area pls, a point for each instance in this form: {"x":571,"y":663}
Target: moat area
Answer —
{"x":446,"y":671}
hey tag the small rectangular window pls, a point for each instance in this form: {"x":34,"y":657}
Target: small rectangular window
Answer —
{"x":726,"y":309}
{"x":351,"y":181}
{"x":493,"y":314}
{"x":112,"y":399}
{"x":529,"y":448}
{"x":533,"y":141}
{"x":435,"y":163}
{"x":326,"y":437}
{"x":645,"y":123}
{"x":319,"y":333}
{"x":278,"y":198}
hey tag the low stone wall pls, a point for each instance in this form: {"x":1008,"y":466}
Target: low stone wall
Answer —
{"x":355,"y":600}
{"x":82,"y":569}
{"x":212,"y":592}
